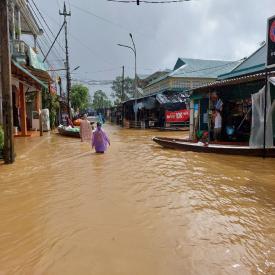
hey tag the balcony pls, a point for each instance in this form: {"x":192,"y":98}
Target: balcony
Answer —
{"x":19,"y":51}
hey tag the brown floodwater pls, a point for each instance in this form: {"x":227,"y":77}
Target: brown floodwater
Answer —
{"x":136,"y":210}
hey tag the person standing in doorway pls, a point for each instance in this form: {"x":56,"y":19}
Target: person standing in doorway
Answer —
{"x":100,"y":139}
{"x":85,"y":129}
{"x":217,"y":125}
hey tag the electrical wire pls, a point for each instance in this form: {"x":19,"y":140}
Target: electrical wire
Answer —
{"x":45,"y":22}
{"x":114,"y":24}
{"x":148,"y":2}
{"x":46,"y":42}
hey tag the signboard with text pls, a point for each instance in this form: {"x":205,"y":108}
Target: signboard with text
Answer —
{"x":270,"y":62}
{"x":177,"y":116}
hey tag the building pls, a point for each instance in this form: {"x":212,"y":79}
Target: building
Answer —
{"x":235,"y":91}
{"x":164,"y":102}
{"x":29,"y":74}
{"x":188,"y":74}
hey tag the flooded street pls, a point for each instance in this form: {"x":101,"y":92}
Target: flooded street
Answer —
{"x":136,"y":210}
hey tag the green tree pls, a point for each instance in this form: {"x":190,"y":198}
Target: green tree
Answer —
{"x":101,"y":101}
{"x":129,"y":89}
{"x":80,"y":98}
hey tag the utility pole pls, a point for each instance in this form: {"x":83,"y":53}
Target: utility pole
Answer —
{"x":137,"y":2}
{"x":122,"y":97}
{"x":68,"y":74}
{"x":122,"y":86}
{"x":6,"y":83}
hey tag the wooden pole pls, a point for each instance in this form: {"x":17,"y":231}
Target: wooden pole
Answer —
{"x":6,"y":83}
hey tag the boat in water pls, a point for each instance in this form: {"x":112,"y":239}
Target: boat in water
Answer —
{"x":227,"y":149}
{"x":68,"y":131}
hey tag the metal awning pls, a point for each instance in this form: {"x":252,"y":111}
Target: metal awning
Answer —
{"x":26,"y":72}
{"x":172,"y":98}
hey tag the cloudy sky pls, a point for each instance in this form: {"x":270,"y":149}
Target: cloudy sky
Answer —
{"x":207,"y":29}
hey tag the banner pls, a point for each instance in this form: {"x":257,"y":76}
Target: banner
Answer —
{"x":270,"y":62}
{"x":177,"y":116}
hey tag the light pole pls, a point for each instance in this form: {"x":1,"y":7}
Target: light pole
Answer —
{"x":135,"y":53}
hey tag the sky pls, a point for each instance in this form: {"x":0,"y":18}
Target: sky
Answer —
{"x":205,"y":29}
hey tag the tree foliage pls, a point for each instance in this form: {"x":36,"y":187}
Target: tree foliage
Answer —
{"x":101,"y":101}
{"x":129,"y":89}
{"x":80,"y":97}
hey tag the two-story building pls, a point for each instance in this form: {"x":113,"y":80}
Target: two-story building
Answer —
{"x":29,"y":73}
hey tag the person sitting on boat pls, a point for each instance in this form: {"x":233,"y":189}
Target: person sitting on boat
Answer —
{"x":85,"y":129}
{"x":100,"y":139}
{"x":217,"y":125}
{"x":69,"y":122}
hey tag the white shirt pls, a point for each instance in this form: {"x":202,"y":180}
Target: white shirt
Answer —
{"x":218,"y":121}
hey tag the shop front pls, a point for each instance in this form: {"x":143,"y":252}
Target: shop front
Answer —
{"x":162,"y":110}
{"x":232,"y":102}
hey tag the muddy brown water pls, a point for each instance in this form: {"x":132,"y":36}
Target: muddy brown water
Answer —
{"x":137,"y":210}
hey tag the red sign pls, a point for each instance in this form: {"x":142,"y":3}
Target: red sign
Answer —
{"x":270,"y":63}
{"x":177,"y":116}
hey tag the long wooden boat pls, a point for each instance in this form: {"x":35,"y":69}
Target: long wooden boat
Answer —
{"x":67,"y":133}
{"x":187,"y":145}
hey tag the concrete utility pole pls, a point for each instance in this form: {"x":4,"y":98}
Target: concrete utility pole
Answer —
{"x":68,"y":74}
{"x":135,"y":54}
{"x":6,"y":83}
{"x":122,"y":97}
{"x":122,"y":86}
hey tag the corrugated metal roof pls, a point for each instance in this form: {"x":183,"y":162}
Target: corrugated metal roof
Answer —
{"x":199,"y":68}
{"x":21,"y":68}
{"x":254,"y":63}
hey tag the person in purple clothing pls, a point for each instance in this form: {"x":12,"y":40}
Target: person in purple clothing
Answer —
{"x":100,"y":139}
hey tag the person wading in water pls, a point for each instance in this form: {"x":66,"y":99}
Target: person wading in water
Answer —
{"x":85,"y":129}
{"x":100,"y":139}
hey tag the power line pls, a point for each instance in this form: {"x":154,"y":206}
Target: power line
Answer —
{"x":46,"y":41}
{"x":80,"y":42}
{"x":45,"y":22}
{"x":114,"y":24}
{"x":148,"y":2}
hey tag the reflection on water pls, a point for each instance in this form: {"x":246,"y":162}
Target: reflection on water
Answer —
{"x":138,"y":209}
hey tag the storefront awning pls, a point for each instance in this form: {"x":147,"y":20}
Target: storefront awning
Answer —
{"x":23,"y":71}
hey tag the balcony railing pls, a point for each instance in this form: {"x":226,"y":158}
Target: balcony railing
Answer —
{"x":19,"y":51}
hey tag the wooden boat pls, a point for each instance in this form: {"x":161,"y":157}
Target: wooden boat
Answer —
{"x":227,"y":149}
{"x":67,"y":133}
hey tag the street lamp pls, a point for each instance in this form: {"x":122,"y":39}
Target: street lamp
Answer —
{"x":135,"y":53}
{"x":64,"y":69}
{"x":76,"y":68}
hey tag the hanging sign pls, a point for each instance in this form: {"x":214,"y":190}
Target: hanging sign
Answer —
{"x":270,"y":62}
{"x":177,"y":116}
